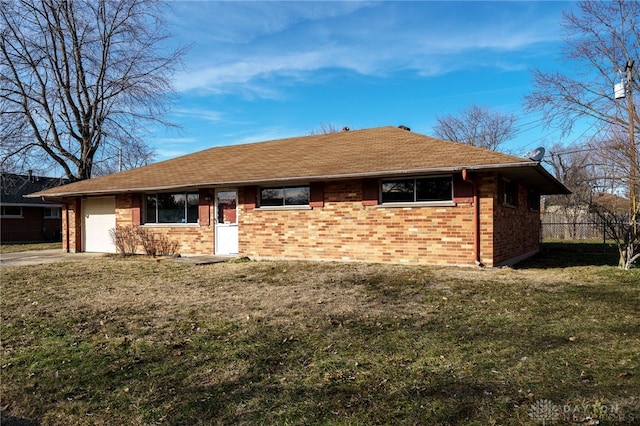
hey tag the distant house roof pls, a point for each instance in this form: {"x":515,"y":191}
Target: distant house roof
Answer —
{"x":377,"y":152}
{"x":610,"y":202}
{"x":15,"y":187}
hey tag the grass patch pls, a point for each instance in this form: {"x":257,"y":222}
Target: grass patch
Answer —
{"x":559,"y":254}
{"x":13,"y":248}
{"x":111,"y":341}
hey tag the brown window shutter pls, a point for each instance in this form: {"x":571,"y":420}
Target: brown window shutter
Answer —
{"x":204,"y":199}
{"x":370,"y":192}
{"x":136,"y":209}
{"x":462,"y":191}
{"x":316,"y":194}
{"x":250,"y":194}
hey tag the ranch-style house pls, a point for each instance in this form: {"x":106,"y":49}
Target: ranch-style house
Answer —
{"x":377,"y":195}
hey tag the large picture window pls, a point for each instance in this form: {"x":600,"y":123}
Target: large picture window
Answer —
{"x":417,"y":190}
{"x":284,"y":196}
{"x":172,"y":208}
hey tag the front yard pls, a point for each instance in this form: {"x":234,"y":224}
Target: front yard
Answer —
{"x":133,"y":341}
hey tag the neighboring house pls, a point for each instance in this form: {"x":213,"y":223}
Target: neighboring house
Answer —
{"x":28,"y":219}
{"x":610,"y":203}
{"x":379,"y":195}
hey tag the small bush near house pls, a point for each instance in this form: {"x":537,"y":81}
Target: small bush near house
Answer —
{"x":147,"y":240}
{"x":156,"y":244}
{"x":125,"y":239}
{"x":166,"y":247}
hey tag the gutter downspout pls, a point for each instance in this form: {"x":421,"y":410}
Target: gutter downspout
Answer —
{"x":476,"y":217}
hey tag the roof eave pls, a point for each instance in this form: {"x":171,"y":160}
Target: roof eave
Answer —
{"x":557,"y":186}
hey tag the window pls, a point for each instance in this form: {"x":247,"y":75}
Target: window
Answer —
{"x":509,"y":193}
{"x":11,"y":211}
{"x":172,"y":208}
{"x":533,"y":200}
{"x":420,"y":190}
{"x":52,"y":212}
{"x":284,"y":196}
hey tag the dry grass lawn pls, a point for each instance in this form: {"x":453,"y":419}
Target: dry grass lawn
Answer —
{"x":13,"y":248}
{"x":133,"y":341}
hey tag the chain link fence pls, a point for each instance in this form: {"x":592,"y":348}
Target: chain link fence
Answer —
{"x":586,"y":227}
{"x":573,"y":231}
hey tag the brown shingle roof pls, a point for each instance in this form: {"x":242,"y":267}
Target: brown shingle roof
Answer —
{"x":379,"y":151}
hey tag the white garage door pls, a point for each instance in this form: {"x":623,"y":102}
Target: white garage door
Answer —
{"x":99,"y":218}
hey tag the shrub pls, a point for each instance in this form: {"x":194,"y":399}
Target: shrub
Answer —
{"x":156,"y":244}
{"x":166,"y":247}
{"x":147,"y":240}
{"x":125,"y":239}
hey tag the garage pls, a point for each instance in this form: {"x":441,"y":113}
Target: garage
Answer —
{"x":99,"y":218}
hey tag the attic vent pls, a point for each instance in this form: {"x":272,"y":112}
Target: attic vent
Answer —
{"x":345,"y":129}
{"x":404,"y":128}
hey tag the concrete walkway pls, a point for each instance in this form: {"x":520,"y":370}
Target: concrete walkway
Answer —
{"x":38,"y":257}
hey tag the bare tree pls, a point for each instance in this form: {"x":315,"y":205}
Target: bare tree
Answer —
{"x":80,"y":82}
{"x":326,"y":128}
{"x":571,"y":166}
{"x":476,"y":125}
{"x":611,"y":159}
{"x":602,"y":39}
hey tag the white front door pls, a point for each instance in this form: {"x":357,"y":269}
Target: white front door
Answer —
{"x":99,"y":218}
{"x":226,"y":228}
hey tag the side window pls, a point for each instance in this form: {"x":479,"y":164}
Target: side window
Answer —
{"x":284,"y":196}
{"x":12,"y":211}
{"x":52,"y":212}
{"x":509,"y":193}
{"x":533,"y":200}
{"x":417,"y":190}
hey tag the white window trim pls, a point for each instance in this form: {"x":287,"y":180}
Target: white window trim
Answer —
{"x":293,"y":207}
{"x":170,"y":225}
{"x":419,"y":204}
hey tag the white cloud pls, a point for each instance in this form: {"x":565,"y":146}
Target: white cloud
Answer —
{"x":240,"y":22}
{"x":199,"y":113}
{"x":252,"y":43}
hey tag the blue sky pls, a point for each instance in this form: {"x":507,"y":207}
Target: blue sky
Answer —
{"x":259,"y":71}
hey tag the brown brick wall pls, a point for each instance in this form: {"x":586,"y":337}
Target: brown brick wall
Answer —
{"x":31,"y":227}
{"x":516,"y":232}
{"x":345,"y":229}
{"x":71,"y":225}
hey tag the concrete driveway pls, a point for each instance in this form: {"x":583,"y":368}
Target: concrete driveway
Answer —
{"x":38,"y":257}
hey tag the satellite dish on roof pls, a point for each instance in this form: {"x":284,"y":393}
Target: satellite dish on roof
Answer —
{"x":536,"y":154}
